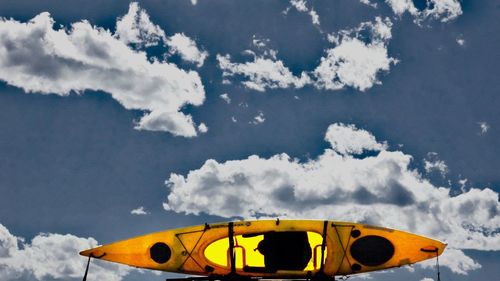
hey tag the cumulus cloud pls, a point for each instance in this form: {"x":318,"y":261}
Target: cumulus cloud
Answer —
{"x":356,"y":59}
{"x":40,"y":59}
{"x":443,"y":10}
{"x":347,"y":139}
{"x":399,"y":7}
{"x":202,"y":128}
{"x":186,"y":48}
{"x":380,"y":189}
{"x":359,"y":55}
{"x":51,"y":257}
{"x":353,"y":64}
{"x":139,"y":211}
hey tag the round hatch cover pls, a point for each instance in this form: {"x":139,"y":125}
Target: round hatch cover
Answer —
{"x":160,"y":252}
{"x":372,"y":250}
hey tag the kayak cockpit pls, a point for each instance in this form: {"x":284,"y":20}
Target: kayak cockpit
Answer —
{"x":269,"y":251}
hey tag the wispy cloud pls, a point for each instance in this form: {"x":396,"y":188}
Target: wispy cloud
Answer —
{"x":258,"y":119}
{"x":262,"y":73}
{"x":432,"y":163}
{"x":369,"y":3}
{"x":225,"y":97}
{"x":301,"y":6}
{"x":483,"y":127}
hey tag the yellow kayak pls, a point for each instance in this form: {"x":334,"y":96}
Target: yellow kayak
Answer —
{"x":279,"y":249}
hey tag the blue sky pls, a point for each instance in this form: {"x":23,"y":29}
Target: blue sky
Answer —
{"x":188,"y":112}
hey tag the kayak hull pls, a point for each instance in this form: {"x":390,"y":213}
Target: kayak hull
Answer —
{"x":272,"y":249}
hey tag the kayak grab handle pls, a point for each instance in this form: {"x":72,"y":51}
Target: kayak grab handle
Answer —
{"x":430,"y":249}
{"x":97,"y":257}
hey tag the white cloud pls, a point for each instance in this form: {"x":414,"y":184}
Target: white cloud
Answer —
{"x":433,"y":163}
{"x":314,"y":17}
{"x":355,"y":61}
{"x":262,"y":73}
{"x":139,"y":211}
{"x":399,"y":7}
{"x":484,"y":127}
{"x":258,"y":119}
{"x":443,"y":10}
{"x":463,"y":184}
{"x":225,"y":97}
{"x":369,"y":3}
{"x":259,"y":43}
{"x":347,"y":139}
{"x":186,"y":48}
{"x":261,"y":49}
{"x":40,"y":59}
{"x":135,"y":27}
{"x":301,"y":6}
{"x":460,"y":41}
{"x":194,"y":2}
{"x":352,"y":63}
{"x":202,"y":128}
{"x":52,"y":257}
{"x":381,"y":190}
